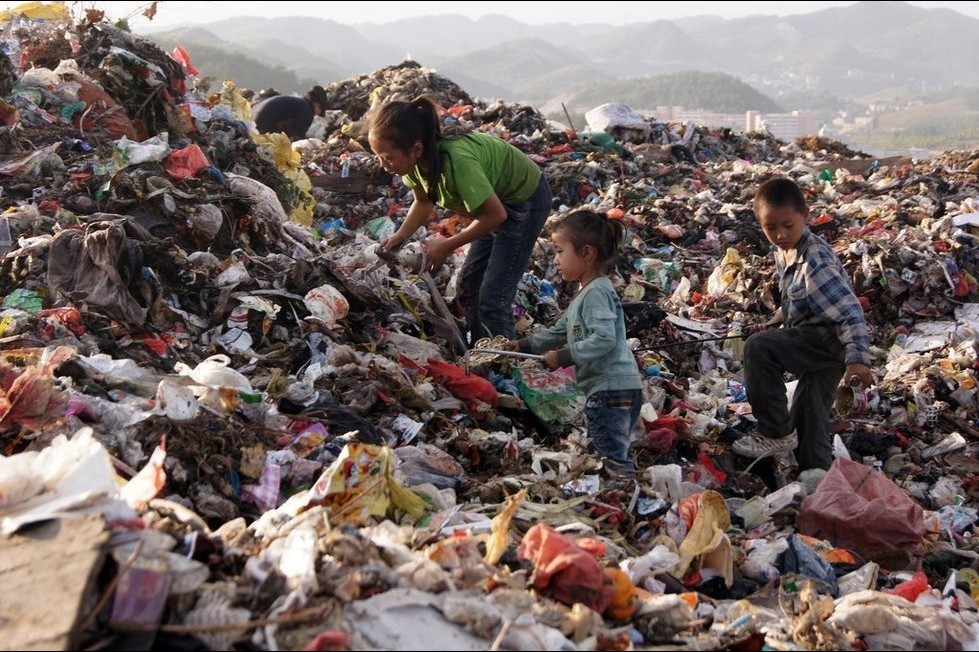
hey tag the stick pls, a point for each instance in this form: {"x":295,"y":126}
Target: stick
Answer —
{"x":570,"y":123}
{"x":299,"y":616}
{"x":441,"y":306}
{"x":703,"y":339}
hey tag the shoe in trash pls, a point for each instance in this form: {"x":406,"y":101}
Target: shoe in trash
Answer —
{"x":756,"y":445}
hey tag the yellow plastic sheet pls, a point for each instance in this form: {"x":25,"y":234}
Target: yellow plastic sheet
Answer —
{"x":360,"y":485}
{"x":232,"y":98}
{"x":499,"y":540}
{"x":706,"y":544}
{"x":56,"y":11}
{"x":289,"y":162}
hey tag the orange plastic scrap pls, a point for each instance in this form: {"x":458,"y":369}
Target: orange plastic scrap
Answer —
{"x":826,"y":550}
{"x":186,"y":163}
{"x":452,"y":224}
{"x":460,"y":553}
{"x":624,"y":600}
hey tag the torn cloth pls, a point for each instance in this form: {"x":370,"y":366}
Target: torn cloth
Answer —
{"x":98,"y":268}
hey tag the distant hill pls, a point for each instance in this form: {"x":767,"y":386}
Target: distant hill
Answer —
{"x":218,"y":60}
{"x":649,"y":49}
{"x":845,"y":51}
{"x":336,"y":46}
{"x":831,"y":58}
{"x":948,"y":122}
{"x":456,"y":36}
{"x":691,"y":89}
{"x":527,"y":69}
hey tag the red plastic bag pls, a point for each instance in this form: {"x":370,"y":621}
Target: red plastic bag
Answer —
{"x":463,"y":386}
{"x":912,"y":588}
{"x":185,"y":163}
{"x":858,"y":508}
{"x":180,"y":55}
{"x":566,"y":568}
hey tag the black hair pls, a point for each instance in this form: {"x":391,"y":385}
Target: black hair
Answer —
{"x":587,"y":227}
{"x":406,"y":123}
{"x":318,"y":94}
{"x":779,"y":192}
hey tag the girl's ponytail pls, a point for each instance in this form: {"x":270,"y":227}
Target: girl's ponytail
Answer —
{"x":431,"y":135}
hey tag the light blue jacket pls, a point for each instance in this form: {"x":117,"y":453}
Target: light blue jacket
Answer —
{"x":591,"y":334}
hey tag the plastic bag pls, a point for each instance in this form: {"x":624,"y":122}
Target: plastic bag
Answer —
{"x":183,"y":164}
{"x":858,"y":508}
{"x":552,"y":396}
{"x":467,"y":387}
{"x":327,"y":304}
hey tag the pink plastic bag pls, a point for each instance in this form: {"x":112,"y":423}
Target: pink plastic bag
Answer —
{"x":858,"y":508}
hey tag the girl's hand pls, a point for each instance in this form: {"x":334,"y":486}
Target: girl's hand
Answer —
{"x":436,"y":252}
{"x":551,"y":361}
{"x":393,"y":242}
{"x":511,"y":345}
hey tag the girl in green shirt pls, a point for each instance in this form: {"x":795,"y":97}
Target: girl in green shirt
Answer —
{"x":478,"y":175}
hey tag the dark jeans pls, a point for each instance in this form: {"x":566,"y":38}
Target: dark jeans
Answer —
{"x":610,"y":417}
{"x":814,"y":354}
{"x":496,"y":263}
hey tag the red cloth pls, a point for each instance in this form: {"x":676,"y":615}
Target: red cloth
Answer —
{"x":103,"y":111}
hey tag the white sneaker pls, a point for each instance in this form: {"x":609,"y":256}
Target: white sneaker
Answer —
{"x":759,"y":446}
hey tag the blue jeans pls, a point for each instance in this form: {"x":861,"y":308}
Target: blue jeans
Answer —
{"x":495,"y":264}
{"x":610,"y":417}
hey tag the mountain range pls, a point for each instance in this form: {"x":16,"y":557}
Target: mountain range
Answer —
{"x":869,"y":54}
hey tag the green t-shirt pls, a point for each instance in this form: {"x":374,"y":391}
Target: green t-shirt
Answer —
{"x":476,"y":165}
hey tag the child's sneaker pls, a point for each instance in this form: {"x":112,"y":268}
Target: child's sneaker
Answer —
{"x":758,"y":446}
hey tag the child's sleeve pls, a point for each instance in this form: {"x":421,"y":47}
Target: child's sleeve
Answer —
{"x":834,"y":297}
{"x":549,"y":339}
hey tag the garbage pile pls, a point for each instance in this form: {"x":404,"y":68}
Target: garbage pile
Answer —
{"x":230,"y":421}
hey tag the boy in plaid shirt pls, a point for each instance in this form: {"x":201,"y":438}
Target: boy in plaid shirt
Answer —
{"x":824,"y":337}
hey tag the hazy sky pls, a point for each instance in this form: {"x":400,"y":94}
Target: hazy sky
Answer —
{"x":173,"y":12}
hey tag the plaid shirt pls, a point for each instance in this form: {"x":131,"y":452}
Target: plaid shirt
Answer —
{"x":816,"y":290}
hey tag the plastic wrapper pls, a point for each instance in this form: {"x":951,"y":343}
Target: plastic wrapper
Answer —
{"x":552,"y":396}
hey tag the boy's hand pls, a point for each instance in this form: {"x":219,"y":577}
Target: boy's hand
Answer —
{"x":511,"y":345}
{"x":764,"y":326}
{"x":774,"y":321}
{"x":858,"y":374}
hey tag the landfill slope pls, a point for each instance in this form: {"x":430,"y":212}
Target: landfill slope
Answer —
{"x":203,"y":346}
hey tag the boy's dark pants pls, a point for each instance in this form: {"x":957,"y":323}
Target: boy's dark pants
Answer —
{"x":814,"y":354}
